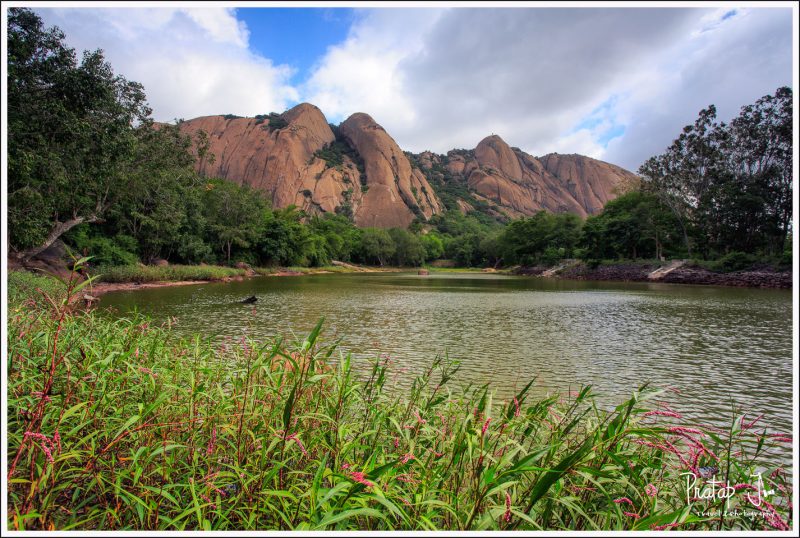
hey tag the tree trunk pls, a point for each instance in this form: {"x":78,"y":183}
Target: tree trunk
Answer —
{"x":58,"y":230}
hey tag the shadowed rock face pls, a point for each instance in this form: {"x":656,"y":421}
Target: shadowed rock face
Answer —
{"x":396,"y":191}
{"x":280,"y":162}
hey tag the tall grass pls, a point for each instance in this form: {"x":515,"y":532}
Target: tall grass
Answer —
{"x":169,"y":273}
{"x":119,"y":425}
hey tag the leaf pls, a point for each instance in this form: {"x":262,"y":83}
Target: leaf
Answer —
{"x":287,"y":411}
{"x":127,"y":425}
{"x":312,"y":338}
{"x":551,"y":477}
{"x":347,"y":514}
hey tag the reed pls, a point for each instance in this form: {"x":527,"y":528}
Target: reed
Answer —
{"x":118,"y":424}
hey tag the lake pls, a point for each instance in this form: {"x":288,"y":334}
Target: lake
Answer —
{"x":714,"y":345}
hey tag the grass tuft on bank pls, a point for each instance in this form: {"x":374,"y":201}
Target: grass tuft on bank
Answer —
{"x":168,"y":273}
{"x":118,"y":424}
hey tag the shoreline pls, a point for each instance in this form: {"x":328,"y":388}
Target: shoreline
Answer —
{"x":622,"y":272}
{"x":102,"y":288}
{"x":693,"y":275}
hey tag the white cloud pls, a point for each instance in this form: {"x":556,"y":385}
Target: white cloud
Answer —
{"x":363,"y":74}
{"x":730,"y":64}
{"x":438,"y":79}
{"x":221,"y":24}
{"x":192,"y":62}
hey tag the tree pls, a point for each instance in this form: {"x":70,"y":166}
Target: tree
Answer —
{"x":376,"y":246}
{"x":161,"y":206}
{"x":408,"y":248}
{"x":342,"y":238}
{"x":234,"y":215}
{"x":284,"y":237}
{"x":730,"y":186}
{"x":433,"y":245}
{"x":71,"y":134}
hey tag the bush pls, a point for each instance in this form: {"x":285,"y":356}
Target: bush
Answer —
{"x":734,"y":261}
{"x":119,"y":250}
{"x":277,"y":122}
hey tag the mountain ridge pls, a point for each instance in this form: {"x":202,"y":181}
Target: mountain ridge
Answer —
{"x":357,"y":169}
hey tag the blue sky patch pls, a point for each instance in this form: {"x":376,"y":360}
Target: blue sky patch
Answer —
{"x":298,"y":37}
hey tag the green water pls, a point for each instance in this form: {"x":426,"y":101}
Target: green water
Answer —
{"x":714,"y":345}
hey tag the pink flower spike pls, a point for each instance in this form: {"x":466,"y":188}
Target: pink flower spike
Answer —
{"x":485,"y":426}
{"x":651,"y":490}
{"x":663,"y":527}
{"x":406,"y":458}
{"x":299,"y":443}
{"x":681,"y":430}
{"x":623,"y":500}
{"x":41,"y":395}
{"x":212,"y":442}
{"x":631,"y":514}
{"x":507,"y":515}
{"x":360,"y":477}
{"x":663,"y":414}
{"x":345,"y":466}
{"x":516,"y":407}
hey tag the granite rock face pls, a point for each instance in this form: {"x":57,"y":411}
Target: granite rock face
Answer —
{"x":279,"y":161}
{"x":396,"y":192}
{"x":376,"y":184}
{"x":522,"y":184}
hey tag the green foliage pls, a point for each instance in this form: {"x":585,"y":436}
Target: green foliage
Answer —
{"x":284,"y":238}
{"x":277,"y":122}
{"x":342,"y":238}
{"x":634,"y":225}
{"x":71,"y":132}
{"x":231,"y":117}
{"x":119,"y":250}
{"x":144,"y":431}
{"x":408,"y":249}
{"x":163,"y":206}
{"x":31,"y":288}
{"x":543,"y":238}
{"x":234,"y":215}
{"x":734,"y":261}
{"x":433,"y":245}
{"x":730,"y":185}
{"x":376,"y":246}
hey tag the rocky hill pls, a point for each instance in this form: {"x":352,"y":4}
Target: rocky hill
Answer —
{"x":507,"y":182}
{"x":358,"y":170}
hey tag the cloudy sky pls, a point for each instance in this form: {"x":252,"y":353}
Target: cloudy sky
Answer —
{"x":615,"y":84}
